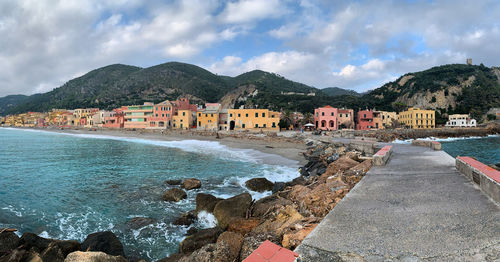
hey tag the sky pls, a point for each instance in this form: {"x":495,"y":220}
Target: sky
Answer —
{"x":358,"y":45}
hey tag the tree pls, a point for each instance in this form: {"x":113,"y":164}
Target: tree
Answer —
{"x":308,"y":118}
{"x":286,"y":119}
{"x":399,"y":106}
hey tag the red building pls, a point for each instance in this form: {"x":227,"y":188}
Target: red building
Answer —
{"x":117,"y":120}
{"x":325,"y":118}
{"x":164,"y":112}
{"x":368,"y":119}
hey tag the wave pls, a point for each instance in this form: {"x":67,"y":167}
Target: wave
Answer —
{"x":448,"y":139}
{"x":189,"y":145}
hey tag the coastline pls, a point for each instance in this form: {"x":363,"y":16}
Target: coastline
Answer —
{"x":268,"y":150}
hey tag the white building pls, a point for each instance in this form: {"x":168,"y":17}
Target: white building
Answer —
{"x":458,"y":120}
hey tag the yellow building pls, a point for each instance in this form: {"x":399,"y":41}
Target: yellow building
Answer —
{"x":388,"y":117}
{"x":417,"y":118}
{"x":253,"y":119}
{"x":184,"y":119}
{"x":208,"y":118}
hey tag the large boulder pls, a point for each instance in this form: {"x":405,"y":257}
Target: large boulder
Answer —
{"x":259,"y":184}
{"x":242,"y":225}
{"x":268,"y":204}
{"x":8,"y":242}
{"x":206,"y":202}
{"x":209,"y":253}
{"x":320,"y":200}
{"x":293,"y":239}
{"x":80,"y":256}
{"x":185,"y":219}
{"x":138,"y":222}
{"x":191,"y":183}
{"x":340,"y":165}
{"x":174,"y":194}
{"x":253,"y":241}
{"x":278,"y":224}
{"x":172,"y":258}
{"x":199,"y":239}
{"x":173,"y":182}
{"x":236,"y":206}
{"x":52,"y":253}
{"x":106,"y":242}
{"x":233,"y":242}
{"x":39,"y":244}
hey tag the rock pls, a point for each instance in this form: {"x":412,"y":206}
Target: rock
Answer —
{"x":39,"y":244}
{"x":52,"y":253}
{"x":233,"y":242}
{"x":206,"y":202}
{"x":106,"y":242}
{"x":332,"y":158}
{"x":199,"y":239}
{"x":293,"y":239}
{"x":242,"y":225}
{"x":320,"y":200}
{"x":253,"y":241}
{"x":15,"y":255}
{"x":278,"y":186}
{"x":353,"y":155}
{"x":340,"y":165}
{"x":360,"y":169}
{"x":192,"y":231}
{"x":321,"y":170}
{"x":138,"y":222}
{"x":236,"y":206}
{"x":259,"y":184}
{"x":174,"y":194}
{"x":8,"y":242}
{"x":173,"y":182}
{"x":297,"y":181}
{"x":309,"y":143}
{"x":286,"y":217}
{"x":191,"y":183}
{"x":185,"y":219}
{"x":172,"y":258}
{"x":268,"y":204}
{"x":92,"y":256}
{"x":209,"y":253}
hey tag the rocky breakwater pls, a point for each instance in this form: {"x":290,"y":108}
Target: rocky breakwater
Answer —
{"x":286,"y":217}
{"x":100,"y":246}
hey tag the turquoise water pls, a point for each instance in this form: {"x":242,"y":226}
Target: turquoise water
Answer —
{"x":486,"y":150}
{"x":68,"y":186}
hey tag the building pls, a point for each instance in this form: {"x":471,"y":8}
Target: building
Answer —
{"x":116,"y":119}
{"x":184,"y":119}
{"x":469,"y":61}
{"x":369,"y":119}
{"x":82,"y":116}
{"x":345,"y":118}
{"x":388,"y":118}
{"x":253,"y":119}
{"x":164,"y":112}
{"x":417,"y":118}
{"x":459,"y":120}
{"x":325,"y":118}
{"x":209,"y":118}
{"x":136,"y":116}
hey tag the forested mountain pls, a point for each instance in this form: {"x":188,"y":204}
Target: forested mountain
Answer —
{"x":456,"y":88}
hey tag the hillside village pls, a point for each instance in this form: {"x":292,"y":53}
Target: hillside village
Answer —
{"x":181,"y":114}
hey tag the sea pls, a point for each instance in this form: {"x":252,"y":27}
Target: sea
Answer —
{"x":484,"y":149}
{"x":66,"y":186}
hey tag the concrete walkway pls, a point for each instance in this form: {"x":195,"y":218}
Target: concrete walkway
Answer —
{"x":416,"y":208}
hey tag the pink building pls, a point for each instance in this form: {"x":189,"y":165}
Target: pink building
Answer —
{"x":164,"y":112}
{"x":325,"y":118}
{"x":369,"y":119}
{"x":116,"y":120}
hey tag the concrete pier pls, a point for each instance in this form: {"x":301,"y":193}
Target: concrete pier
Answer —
{"x":417,"y":207}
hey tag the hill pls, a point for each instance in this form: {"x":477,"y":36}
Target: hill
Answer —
{"x":8,"y":102}
{"x":449,"y":89}
{"x":337,"y":91}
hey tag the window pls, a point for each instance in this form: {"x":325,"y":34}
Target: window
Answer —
{"x":256,"y":125}
{"x":263,"y":114}
{"x":243,"y":126}
{"x":230,"y":115}
{"x":156,"y":115}
{"x":162,"y":115}
{"x":246,"y":115}
{"x":211,"y":115}
{"x":256,"y":114}
{"x":199,"y":123}
{"x":183,"y":113}
{"x":239,"y":115}
{"x":322,"y":113}
{"x":274,"y":124}
{"x":264,"y":125}
{"x":199,"y":114}
{"x":332,"y":113}
{"x":364,"y":115}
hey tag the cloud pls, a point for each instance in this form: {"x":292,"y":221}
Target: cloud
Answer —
{"x":245,"y":11}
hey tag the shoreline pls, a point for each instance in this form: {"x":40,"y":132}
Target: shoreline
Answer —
{"x":267,"y":151}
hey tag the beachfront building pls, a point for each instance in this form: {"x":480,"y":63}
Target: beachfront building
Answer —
{"x":369,"y":119}
{"x":253,"y":119}
{"x":164,"y":112}
{"x":116,"y":118}
{"x":345,"y":118}
{"x":184,"y":119}
{"x":460,"y":120}
{"x":417,"y":118}
{"x":325,"y":118}
{"x":136,"y":116}
{"x":208,"y":118}
{"x":388,"y":118}
{"x":82,"y":116}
